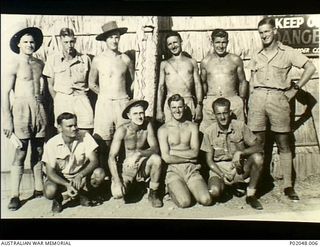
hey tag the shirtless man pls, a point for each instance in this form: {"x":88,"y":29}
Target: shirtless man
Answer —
{"x":179,"y":74}
{"x":67,"y":73}
{"x":222,"y":75}
{"x":110,"y":68}
{"x":27,"y":119}
{"x":140,"y":162}
{"x":179,"y":145}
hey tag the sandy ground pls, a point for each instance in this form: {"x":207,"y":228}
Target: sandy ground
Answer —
{"x":276,"y":207}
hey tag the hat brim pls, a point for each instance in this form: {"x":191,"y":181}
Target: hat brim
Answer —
{"x":34,"y":31}
{"x":144,"y":104}
{"x":103,"y":36}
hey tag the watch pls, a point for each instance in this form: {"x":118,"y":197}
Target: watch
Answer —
{"x":296,"y":86}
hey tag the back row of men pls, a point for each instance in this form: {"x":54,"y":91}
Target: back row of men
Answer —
{"x":185,"y":100}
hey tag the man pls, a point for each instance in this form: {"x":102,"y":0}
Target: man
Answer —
{"x":233,"y":153}
{"x":67,"y":74}
{"x":71,"y":163}
{"x":179,"y":74}
{"x":140,"y":161}
{"x":179,"y":145}
{"x":273,"y":91}
{"x":222,"y":75}
{"x":26,"y":120}
{"x":111,"y":68}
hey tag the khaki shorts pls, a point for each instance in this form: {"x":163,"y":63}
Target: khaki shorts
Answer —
{"x":227,"y":167}
{"x":208,"y":114}
{"x":29,"y":118}
{"x":269,"y":104}
{"x":189,"y":112}
{"x":76,"y":104}
{"x":108,"y":116}
{"x":133,"y":169}
{"x":186,"y":172}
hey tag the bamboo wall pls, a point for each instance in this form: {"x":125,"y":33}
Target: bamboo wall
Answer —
{"x":141,"y":44}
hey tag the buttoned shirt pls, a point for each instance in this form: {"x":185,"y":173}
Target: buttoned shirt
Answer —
{"x":65,"y":160}
{"x":225,"y":143}
{"x":274,"y":72}
{"x":70,"y":76}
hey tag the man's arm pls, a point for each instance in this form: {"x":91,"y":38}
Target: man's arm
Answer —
{"x":50,"y":87}
{"x":93,"y":77}
{"x":212,"y":165}
{"x":152,"y":141}
{"x":8,"y":85}
{"x":160,"y":96}
{"x":203,"y":76}
{"x":198,"y":90}
{"x":131,"y":72}
{"x":165,"y":149}
{"x":54,"y":177}
{"x":243,"y":83}
{"x":193,"y":151}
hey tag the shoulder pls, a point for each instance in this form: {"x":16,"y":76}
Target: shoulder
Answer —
{"x":206,"y":59}
{"x":237,"y":124}
{"x":235,"y":58}
{"x":163,"y":129}
{"x":53,"y":141}
{"x":125,"y":58}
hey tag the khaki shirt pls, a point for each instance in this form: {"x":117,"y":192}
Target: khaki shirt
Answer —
{"x":69,"y":76}
{"x":274,"y":72}
{"x":225,"y":144}
{"x":68,"y":162}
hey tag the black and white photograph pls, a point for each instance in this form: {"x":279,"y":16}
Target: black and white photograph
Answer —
{"x":160,"y":117}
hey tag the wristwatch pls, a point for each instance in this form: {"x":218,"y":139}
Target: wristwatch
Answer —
{"x":296,"y":86}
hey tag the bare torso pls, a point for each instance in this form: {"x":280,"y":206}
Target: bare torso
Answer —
{"x":179,"y":76}
{"x":112,"y":75}
{"x":28,"y":75}
{"x":179,"y":136}
{"x":222,"y":77}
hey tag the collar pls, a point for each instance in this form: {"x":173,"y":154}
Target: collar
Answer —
{"x":280,"y":46}
{"x":60,"y":141}
{"x":76,"y":58}
{"x":229,"y":130}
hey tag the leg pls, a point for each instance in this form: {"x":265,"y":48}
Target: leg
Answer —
{"x":52,"y":192}
{"x":283,"y":143}
{"x":16,"y":174}
{"x":153,"y":168}
{"x":179,"y":193}
{"x":216,"y":187}
{"x":199,"y":190}
{"x":36,"y":165}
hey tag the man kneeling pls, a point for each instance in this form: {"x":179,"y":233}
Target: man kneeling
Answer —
{"x":179,"y":145}
{"x":71,"y":164}
{"x":141,"y":162}
{"x":233,"y":153}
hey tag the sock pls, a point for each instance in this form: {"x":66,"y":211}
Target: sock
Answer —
{"x":37,"y":174}
{"x":251,"y":192}
{"x":286,"y":165}
{"x":16,"y":176}
{"x":153,"y":186}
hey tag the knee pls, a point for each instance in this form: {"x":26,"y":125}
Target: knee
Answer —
{"x":116,"y":191}
{"x":156,"y":161}
{"x":19,"y":158}
{"x":97,"y":177}
{"x":258,"y":160}
{"x":183,"y":202}
{"x":50,"y":190}
{"x":205,"y":200}
{"x":215,"y":192}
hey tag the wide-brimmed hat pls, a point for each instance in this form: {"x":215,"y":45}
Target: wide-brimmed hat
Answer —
{"x":131,"y":103}
{"x":108,"y":28}
{"x":21,"y":30}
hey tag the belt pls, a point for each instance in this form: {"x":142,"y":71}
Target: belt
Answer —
{"x":271,"y":88}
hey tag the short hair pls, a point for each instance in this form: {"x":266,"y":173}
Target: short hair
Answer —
{"x":66,"y":32}
{"x":65,"y":116}
{"x":267,"y":20}
{"x":175,"y":97}
{"x":221,"y":102}
{"x":221,"y":33}
{"x":173,"y":33}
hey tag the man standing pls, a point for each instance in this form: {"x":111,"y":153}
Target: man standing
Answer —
{"x":71,"y":163}
{"x":111,"y":68}
{"x":222,"y":75}
{"x":67,"y":74}
{"x":179,"y":145}
{"x":27,"y":119}
{"x":179,"y":74}
{"x":140,"y":161}
{"x":233,"y":153}
{"x":273,"y":91}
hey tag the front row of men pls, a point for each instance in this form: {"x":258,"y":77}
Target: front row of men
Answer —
{"x":233,"y":154}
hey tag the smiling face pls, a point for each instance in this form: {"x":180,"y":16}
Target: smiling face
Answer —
{"x":267,"y":34}
{"x":174,"y":45}
{"x":112,"y":41}
{"x":220,"y":45}
{"x":223,"y":115}
{"x":177,"y":109}
{"x":27,"y":44}
{"x":137,"y":114}
{"x":68,"y":43}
